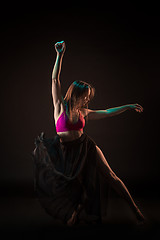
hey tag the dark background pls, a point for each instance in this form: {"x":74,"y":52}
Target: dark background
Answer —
{"x":116,"y":49}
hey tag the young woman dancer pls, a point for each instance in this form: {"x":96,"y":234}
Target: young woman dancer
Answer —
{"x":72,"y":174}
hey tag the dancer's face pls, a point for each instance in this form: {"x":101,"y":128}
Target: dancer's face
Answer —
{"x":82,"y":101}
{"x":87,"y":98}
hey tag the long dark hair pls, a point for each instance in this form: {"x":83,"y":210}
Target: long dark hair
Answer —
{"x":74,"y":98}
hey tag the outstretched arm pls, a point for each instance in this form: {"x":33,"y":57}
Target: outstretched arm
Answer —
{"x":98,"y":114}
{"x":56,"y":85}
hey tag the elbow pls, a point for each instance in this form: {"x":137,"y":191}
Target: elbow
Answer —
{"x":55,"y":83}
{"x":113,"y":179}
{"x":54,"y":80}
{"x":108,"y":113}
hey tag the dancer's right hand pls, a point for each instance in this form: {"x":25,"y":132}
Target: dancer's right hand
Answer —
{"x":60,"y":47}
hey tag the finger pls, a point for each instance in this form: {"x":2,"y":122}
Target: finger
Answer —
{"x":64,"y":45}
{"x":140,"y":107}
{"x":137,"y":105}
{"x":56,"y":45}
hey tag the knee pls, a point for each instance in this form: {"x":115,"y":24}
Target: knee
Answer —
{"x":112,"y":177}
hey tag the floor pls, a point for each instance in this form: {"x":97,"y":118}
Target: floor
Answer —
{"x":23,"y":217}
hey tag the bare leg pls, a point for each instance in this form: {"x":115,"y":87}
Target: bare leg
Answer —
{"x":116,"y":183}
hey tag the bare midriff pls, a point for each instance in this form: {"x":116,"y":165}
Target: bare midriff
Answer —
{"x":70,"y":135}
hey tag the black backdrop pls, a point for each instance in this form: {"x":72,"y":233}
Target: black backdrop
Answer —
{"x":116,"y":50}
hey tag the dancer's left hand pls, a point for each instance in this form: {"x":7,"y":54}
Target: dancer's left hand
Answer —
{"x":136,"y":107}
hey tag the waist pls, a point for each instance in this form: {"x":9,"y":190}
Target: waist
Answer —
{"x":69,"y":136}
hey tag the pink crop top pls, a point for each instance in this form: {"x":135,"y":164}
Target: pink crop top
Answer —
{"x":64,"y":124}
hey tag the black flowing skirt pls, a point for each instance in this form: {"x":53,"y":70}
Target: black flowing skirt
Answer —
{"x":68,"y":182}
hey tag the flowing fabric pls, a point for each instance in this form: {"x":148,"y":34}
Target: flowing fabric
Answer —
{"x":68,"y":182}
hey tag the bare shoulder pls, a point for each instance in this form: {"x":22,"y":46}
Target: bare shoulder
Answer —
{"x":85,"y":111}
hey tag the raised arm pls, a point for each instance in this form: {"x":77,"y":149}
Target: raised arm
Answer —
{"x":98,"y":114}
{"x":56,"y":85}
